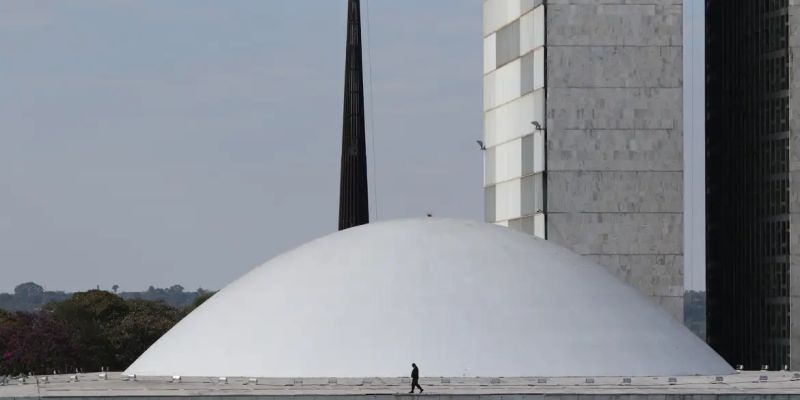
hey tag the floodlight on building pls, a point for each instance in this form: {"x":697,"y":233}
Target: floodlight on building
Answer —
{"x":672,"y":380}
{"x":536,"y":125}
{"x":222,"y":380}
{"x":481,"y":145}
{"x":176,"y":379}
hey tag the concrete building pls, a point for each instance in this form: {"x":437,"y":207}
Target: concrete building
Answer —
{"x":604,"y":176}
{"x":753,"y":181}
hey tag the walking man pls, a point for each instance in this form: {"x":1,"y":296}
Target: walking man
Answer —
{"x":415,"y":378}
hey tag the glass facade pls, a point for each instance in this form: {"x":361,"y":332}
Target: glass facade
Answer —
{"x":747,"y":180}
{"x":514,"y":99}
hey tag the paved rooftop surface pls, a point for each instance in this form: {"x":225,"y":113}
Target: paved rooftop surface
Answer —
{"x":116,"y":385}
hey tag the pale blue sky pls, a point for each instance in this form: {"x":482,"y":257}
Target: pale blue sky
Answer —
{"x":694,"y":144}
{"x":162,"y":142}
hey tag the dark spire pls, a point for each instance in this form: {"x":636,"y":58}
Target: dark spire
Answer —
{"x":353,"y":195}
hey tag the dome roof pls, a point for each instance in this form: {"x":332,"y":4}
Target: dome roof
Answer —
{"x":459,"y":298}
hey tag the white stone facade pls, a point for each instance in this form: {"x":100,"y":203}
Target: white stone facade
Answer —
{"x":605,"y":175}
{"x":514,"y":97}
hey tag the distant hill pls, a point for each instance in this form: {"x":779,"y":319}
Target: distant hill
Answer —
{"x":32,"y":297}
{"x":174,"y":295}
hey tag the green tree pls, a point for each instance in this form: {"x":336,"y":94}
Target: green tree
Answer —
{"x":92,"y":315}
{"x":199,"y":300}
{"x":176,"y":289}
{"x":29,"y":296}
{"x":145,"y":322}
{"x":28,"y":290}
{"x":88,"y":330}
{"x":6,"y":321}
{"x":34,"y":343}
{"x":4,"y":316}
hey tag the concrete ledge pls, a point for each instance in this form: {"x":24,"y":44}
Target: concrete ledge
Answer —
{"x":744,"y":386}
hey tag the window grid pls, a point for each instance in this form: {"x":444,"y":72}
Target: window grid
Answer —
{"x":747,"y":180}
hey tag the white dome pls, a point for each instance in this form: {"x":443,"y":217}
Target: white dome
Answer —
{"x":459,"y":298}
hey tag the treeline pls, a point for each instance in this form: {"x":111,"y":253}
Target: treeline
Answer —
{"x":32,"y":297}
{"x":86,"y":331}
